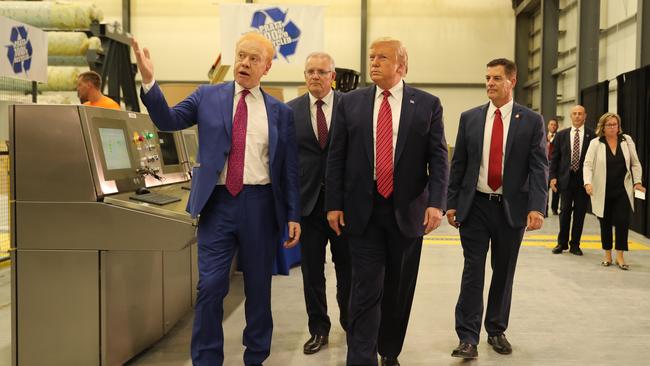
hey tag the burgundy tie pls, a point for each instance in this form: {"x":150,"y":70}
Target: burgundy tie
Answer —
{"x":496,"y":152}
{"x":575,"y":154}
{"x":321,"y":124}
{"x":235,"y":175}
{"x":384,"y":146}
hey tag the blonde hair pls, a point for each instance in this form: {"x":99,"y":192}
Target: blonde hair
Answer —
{"x":600,"y":128}
{"x":259,"y":37}
{"x":400,"y":50}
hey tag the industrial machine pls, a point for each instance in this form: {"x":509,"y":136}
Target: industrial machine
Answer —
{"x":102,"y":263}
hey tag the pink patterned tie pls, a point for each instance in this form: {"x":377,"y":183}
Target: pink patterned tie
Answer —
{"x":384,"y":146}
{"x":235,"y":175}
{"x":321,"y":124}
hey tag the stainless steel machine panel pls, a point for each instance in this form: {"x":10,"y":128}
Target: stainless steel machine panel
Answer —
{"x":177,"y":294}
{"x":57,"y":308}
{"x":51,"y":163}
{"x":132,"y":298}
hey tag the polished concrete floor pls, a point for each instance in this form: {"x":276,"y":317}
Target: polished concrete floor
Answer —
{"x":566,"y":310}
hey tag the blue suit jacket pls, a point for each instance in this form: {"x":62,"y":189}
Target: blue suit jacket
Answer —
{"x":420,"y":162}
{"x":210,"y":106}
{"x":525,"y":172}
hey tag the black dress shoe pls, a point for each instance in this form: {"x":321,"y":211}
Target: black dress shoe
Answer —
{"x":465,"y":350}
{"x":555,"y":212}
{"x":575,"y":251}
{"x":500,"y":344}
{"x":389,"y":361}
{"x":314,"y":344}
{"x":558,"y":249}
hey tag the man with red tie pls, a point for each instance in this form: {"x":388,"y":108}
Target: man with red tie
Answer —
{"x":314,"y":112}
{"x":497,"y":190}
{"x":245,"y":187}
{"x":386,"y":188}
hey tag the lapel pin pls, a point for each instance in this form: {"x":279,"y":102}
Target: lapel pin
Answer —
{"x":517,"y":115}
{"x":412,"y":102}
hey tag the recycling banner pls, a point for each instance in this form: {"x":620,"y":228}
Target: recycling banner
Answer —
{"x":24,"y":52}
{"x":295,"y":30}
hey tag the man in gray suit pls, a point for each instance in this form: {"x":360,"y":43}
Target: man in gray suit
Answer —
{"x":313,"y":113}
{"x":497,"y":189}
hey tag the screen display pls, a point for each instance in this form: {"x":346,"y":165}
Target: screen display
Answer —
{"x":115,"y":149}
{"x":168,"y":148}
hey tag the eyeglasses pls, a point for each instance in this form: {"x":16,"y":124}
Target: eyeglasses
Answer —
{"x":611,"y":125}
{"x":321,"y":73}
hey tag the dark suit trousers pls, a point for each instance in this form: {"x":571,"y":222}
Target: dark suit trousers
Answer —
{"x":486,"y":224}
{"x":384,"y":273}
{"x":574,"y":201}
{"x":313,"y":241}
{"x":246,"y":223}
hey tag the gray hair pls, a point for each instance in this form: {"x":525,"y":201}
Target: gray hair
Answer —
{"x":319,"y":54}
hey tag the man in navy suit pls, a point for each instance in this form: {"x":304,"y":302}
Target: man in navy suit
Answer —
{"x":497,"y":190}
{"x":245,"y":190}
{"x":314,"y":113}
{"x":386,"y":188}
{"x":569,"y":150}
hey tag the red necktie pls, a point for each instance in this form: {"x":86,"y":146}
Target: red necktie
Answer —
{"x":321,"y":124}
{"x":384,"y":146}
{"x":496,"y":152}
{"x":235,"y":175}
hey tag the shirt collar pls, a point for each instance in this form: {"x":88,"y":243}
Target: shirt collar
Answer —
{"x":327,"y":100}
{"x":505,"y":109}
{"x":256,"y":92}
{"x":580,"y":129}
{"x":396,"y":91}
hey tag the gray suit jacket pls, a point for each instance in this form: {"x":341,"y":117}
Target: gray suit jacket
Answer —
{"x":525,"y":173}
{"x":313,"y":159}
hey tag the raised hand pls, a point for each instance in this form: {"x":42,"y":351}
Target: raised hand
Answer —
{"x":145,"y":65}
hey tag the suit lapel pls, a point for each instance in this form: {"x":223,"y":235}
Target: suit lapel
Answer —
{"x":405,"y":121}
{"x":333,"y":118}
{"x":480,"y":132}
{"x":368,"y":106}
{"x":306,"y":109}
{"x":515,"y":121}
{"x":225,"y":99}
{"x":272,"y":116}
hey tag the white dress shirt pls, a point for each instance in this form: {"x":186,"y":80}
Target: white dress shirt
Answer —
{"x":328,"y":103}
{"x":395,"y":102}
{"x":572,"y":135}
{"x":506,"y":114}
{"x":256,"y":156}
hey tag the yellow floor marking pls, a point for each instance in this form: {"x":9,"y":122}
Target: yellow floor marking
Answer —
{"x":587,"y":241}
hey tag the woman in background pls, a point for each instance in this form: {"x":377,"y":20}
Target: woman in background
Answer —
{"x":611,"y":173}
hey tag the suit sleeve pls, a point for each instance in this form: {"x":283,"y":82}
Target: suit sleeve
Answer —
{"x":556,"y":156}
{"x":336,"y":160}
{"x":179,"y":117}
{"x":458,"y":166}
{"x":438,"y":161}
{"x":538,"y":168}
{"x":292,"y":183}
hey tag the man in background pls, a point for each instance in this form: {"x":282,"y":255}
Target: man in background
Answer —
{"x":552,"y":128}
{"x":313,"y":113}
{"x":89,"y":86}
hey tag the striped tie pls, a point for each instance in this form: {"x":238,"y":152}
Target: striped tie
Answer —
{"x":384,"y":146}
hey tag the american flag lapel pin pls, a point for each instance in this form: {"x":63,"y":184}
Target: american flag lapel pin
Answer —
{"x":412,"y":101}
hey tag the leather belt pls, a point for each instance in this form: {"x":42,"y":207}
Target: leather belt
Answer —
{"x":490,"y":196}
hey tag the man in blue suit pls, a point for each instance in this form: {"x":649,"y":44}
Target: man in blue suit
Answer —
{"x":314,"y":112}
{"x":245,"y":189}
{"x":497,"y":190}
{"x":386,"y":188}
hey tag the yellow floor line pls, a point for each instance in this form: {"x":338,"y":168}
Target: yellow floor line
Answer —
{"x":587,"y":241}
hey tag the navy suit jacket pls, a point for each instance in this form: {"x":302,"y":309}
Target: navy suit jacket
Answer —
{"x":420,"y":172}
{"x":313,"y":159}
{"x":561,"y":158}
{"x":211,"y":107}
{"x":525,"y":171}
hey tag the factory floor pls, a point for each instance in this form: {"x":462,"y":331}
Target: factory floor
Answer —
{"x":566,"y":310}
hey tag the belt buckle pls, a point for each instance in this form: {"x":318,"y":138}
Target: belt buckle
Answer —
{"x":494,"y":197}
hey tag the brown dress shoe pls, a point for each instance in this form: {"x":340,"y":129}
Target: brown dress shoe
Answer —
{"x":465,"y":350}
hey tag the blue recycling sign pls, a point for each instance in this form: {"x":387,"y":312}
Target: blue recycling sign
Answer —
{"x":274,"y":25}
{"x":19,"y":51}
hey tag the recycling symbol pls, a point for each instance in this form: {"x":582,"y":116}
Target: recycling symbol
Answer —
{"x":19,"y":52}
{"x":275,"y":26}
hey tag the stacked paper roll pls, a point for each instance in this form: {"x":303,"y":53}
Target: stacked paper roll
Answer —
{"x":50,"y":14}
{"x":62,"y":78}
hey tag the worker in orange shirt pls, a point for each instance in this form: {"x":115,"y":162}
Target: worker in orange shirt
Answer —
{"x":89,"y":86}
